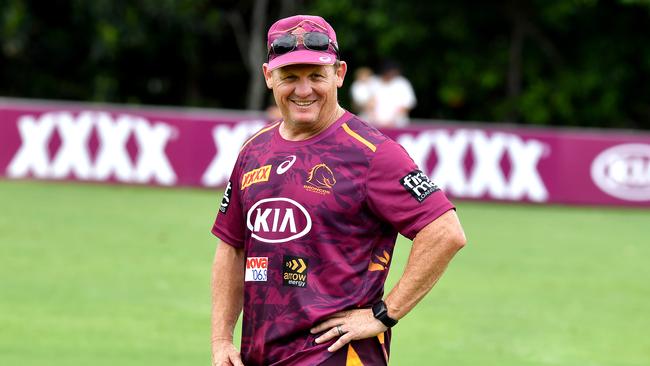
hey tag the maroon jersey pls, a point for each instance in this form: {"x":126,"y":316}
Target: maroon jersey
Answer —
{"x":318,"y":220}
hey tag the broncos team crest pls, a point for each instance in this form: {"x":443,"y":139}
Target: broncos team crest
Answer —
{"x":320,"y":179}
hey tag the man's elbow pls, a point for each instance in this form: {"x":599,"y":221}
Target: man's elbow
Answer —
{"x":457,"y":239}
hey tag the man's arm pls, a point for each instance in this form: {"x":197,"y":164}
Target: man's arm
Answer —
{"x":433,"y":248}
{"x":227,"y":302}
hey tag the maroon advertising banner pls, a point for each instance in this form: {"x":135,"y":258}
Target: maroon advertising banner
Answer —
{"x":184,"y":147}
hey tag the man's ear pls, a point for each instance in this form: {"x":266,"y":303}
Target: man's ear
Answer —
{"x":268,"y":75}
{"x":340,"y":74}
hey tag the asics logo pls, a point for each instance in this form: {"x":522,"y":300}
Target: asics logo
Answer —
{"x":286,"y":164}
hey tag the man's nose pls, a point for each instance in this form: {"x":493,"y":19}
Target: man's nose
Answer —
{"x":303,"y":87}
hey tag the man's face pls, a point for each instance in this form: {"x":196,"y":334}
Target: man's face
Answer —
{"x":306,"y":94}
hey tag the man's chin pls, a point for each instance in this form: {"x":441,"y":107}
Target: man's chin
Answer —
{"x":303,"y":120}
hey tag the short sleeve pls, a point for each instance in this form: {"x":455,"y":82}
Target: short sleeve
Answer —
{"x":400,"y":193}
{"x":229,"y":224}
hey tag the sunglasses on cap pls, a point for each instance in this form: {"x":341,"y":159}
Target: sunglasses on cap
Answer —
{"x":314,"y":41}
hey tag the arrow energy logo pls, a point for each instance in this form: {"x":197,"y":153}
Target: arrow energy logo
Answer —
{"x":295,"y":271}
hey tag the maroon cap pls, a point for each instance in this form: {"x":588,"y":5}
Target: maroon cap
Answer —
{"x":298,"y":24}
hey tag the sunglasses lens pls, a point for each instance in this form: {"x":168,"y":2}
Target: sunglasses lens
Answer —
{"x":316,"y":41}
{"x":284,"y":44}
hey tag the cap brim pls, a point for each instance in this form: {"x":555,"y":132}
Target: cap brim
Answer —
{"x":302,"y":57}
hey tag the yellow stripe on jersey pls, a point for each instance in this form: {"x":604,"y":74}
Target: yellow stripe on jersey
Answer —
{"x":353,"y":358}
{"x":359,"y":138}
{"x":259,"y":133}
{"x":382,"y":341}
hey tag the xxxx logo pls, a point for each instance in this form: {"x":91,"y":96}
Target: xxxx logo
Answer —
{"x":295,"y":271}
{"x":74,"y":158}
{"x":381,"y":264}
{"x":227,"y":141}
{"x":485,"y":176}
{"x":256,"y":176}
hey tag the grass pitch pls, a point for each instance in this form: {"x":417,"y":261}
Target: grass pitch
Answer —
{"x":100,"y":275}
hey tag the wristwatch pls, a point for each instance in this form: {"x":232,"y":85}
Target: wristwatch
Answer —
{"x":380,"y":311}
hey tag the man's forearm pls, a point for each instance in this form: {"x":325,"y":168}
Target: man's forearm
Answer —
{"x":227,"y":290}
{"x":433,"y":248}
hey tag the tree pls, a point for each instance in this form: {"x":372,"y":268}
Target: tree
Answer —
{"x":544,"y":62}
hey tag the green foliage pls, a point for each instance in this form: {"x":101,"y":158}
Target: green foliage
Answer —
{"x":578,"y":63}
{"x":155,"y":52}
{"x":582,"y":61}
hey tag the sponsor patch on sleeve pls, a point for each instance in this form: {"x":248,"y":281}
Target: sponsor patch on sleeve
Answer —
{"x":225,"y":201}
{"x":256,"y":269}
{"x":418,"y":185}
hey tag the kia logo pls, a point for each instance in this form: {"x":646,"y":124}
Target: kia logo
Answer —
{"x":278,"y":220}
{"x":623,"y":171}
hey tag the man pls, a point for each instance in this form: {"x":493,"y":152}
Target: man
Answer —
{"x":309,"y":219}
{"x":362,"y":92}
{"x":393,"y":98}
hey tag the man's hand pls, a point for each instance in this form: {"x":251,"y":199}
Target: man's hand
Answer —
{"x":224,"y":353}
{"x":347,"y":326}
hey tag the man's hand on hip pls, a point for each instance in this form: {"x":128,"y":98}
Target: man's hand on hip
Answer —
{"x":347,"y":326}
{"x":224,"y":353}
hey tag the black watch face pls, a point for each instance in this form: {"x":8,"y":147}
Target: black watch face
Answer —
{"x":380,"y":311}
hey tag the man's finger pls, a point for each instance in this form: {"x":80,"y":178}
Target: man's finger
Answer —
{"x":342,"y":341}
{"x":327,"y":324}
{"x":330,"y":334}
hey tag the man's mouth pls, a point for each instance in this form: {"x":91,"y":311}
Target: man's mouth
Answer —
{"x":303,"y":103}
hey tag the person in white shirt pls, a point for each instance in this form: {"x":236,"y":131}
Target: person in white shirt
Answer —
{"x":392,"y":99}
{"x":362,"y":92}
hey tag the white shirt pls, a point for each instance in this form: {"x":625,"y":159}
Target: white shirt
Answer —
{"x":362,"y":92}
{"x":390,"y":99}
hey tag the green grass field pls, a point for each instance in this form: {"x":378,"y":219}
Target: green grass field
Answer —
{"x":99,"y":275}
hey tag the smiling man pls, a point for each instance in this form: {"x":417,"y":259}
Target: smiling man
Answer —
{"x":309,"y":220}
